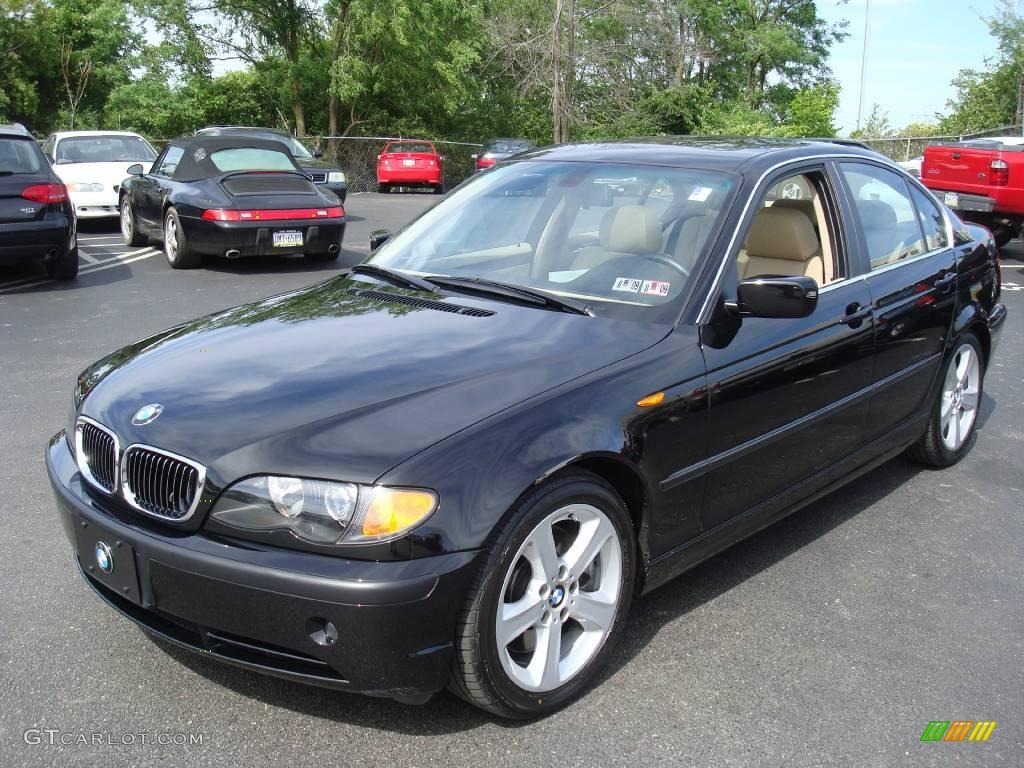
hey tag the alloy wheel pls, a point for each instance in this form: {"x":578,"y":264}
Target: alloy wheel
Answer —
{"x":960,"y":395}
{"x":127,"y":226}
{"x":559,"y":598}
{"x":171,"y":238}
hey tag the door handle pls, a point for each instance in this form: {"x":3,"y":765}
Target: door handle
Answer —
{"x":855,"y":314}
{"x":945,"y":282}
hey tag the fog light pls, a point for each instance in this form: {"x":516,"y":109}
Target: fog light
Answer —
{"x":322,"y":631}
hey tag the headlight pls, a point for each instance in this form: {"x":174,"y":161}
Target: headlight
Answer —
{"x":322,"y":511}
{"x":335,"y":177}
{"x":84,"y":186}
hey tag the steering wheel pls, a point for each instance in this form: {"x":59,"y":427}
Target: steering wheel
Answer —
{"x":665,"y":261}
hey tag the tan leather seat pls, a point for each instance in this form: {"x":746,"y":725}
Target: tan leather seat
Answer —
{"x":804,"y":206}
{"x":624,"y":230}
{"x":781,"y":242}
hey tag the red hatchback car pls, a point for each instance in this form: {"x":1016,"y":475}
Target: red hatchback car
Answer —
{"x":409,"y":164}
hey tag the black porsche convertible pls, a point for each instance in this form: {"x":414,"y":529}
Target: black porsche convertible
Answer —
{"x":229,"y":196}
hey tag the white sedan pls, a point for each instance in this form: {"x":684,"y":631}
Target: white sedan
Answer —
{"x":92,"y":164}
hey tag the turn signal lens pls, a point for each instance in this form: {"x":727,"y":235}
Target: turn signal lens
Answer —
{"x":393,"y":510}
{"x":656,"y":399}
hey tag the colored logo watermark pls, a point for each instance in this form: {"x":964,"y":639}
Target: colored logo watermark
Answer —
{"x":958,"y":730}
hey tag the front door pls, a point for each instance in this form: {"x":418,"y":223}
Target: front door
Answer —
{"x":788,"y":397}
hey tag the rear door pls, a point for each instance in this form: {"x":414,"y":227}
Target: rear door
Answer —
{"x":22,"y":165}
{"x":912,"y":279}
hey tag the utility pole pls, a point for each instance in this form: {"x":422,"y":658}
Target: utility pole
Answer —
{"x":863,"y":61}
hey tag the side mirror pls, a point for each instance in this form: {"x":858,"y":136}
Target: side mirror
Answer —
{"x":378,"y":237}
{"x":442,"y":158}
{"x":318,"y":153}
{"x":474,"y":156}
{"x":769,"y":296}
{"x":136,"y":170}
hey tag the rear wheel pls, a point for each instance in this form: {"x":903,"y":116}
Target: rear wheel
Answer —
{"x":383,"y":188}
{"x":176,"y":245}
{"x":551,"y":595}
{"x":955,"y":413}
{"x":64,"y":267}
{"x":129,"y":231}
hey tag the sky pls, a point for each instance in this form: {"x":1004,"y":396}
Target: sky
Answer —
{"x":915,"y":48}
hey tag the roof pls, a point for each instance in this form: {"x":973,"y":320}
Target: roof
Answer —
{"x":716,"y":153}
{"x":59,"y":135}
{"x":209,"y":130}
{"x":15,"y":129}
{"x":195,"y":162}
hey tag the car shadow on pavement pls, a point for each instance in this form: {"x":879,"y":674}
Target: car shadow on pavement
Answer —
{"x":447,"y":714}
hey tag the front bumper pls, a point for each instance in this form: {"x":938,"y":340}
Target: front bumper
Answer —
{"x":264,"y":609}
{"x":996,"y":321}
{"x":95,"y":205}
{"x":256,"y":238}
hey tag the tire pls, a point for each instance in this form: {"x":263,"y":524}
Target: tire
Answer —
{"x":129,"y":230}
{"x":176,"y":246}
{"x":323,"y":256}
{"x":384,"y":188}
{"x":948,"y":437}
{"x":439,"y":189}
{"x":484,"y":672}
{"x":64,"y":267}
{"x":1003,"y":236}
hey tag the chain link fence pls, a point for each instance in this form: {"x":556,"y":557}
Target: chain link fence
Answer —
{"x":357,"y":157}
{"x":907,"y":147}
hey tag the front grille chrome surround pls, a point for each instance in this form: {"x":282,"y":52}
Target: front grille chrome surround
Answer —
{"x":167,"y":486}
{"x":97,"y":453}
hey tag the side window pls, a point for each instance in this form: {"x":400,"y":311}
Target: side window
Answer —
{"x":932,"y":221}
{"x":789,"y":234}
{"x":166,"y":164}
{"x":887,"y":215}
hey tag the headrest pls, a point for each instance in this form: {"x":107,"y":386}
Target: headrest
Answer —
{"x":631,"y":229}
{"x":782,"y":233}
{"x":876,"y":214}
{"x":805,"y":206}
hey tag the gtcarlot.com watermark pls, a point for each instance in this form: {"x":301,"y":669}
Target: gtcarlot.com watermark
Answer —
{"x":53,"y":737}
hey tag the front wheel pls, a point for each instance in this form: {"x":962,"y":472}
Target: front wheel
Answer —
{"x":177,"y":248}
{"x":955,"y":413}
{"x":543,"y":613}
{"x":129,"y":230}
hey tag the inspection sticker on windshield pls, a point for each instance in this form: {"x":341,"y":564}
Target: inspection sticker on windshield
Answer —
{"x":655,"y":287}
{"x":700,"y":194}
{"x":632,"y":285}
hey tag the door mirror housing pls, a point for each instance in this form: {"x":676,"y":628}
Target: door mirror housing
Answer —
{"x":474,"y":156}
{"x":136,"y":169}
{"x":378,"y":237}
{"x":775,"y":297}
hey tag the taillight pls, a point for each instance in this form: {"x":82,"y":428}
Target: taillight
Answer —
{"x":1000,"y":173}
{"x":485,"y":161}
{"x":432,"y":163}
{"x":223,"y":214}
{"x":45,"y":193}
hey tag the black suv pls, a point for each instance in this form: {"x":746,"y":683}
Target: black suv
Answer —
{"x":37,"y":220}
{"x":323,"y":173}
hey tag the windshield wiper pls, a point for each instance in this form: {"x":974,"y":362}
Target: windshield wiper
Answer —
{"x":395,"y":277}
{"x":518,"y":292}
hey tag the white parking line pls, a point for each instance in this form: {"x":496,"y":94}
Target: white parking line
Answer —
{"x":139,"y":255}
{"x":86,"y":257}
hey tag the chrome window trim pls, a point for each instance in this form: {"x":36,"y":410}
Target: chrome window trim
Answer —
{"x":126,"y":491}
{"x":83,"y":466}
{"x":705,"y":310}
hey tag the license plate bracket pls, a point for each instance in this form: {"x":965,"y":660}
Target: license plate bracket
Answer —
{"x":288,"y":238}
{"x":108,"y":559}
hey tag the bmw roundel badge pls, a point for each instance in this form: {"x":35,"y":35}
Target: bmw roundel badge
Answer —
{"x":104,"y":557}
{"x":147,"y":414}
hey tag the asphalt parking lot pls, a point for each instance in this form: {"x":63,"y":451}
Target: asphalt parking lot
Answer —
{"x":832,"y":638}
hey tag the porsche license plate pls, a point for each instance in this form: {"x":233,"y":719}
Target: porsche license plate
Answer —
{"x":288,"y":238}
{"x":952,"y":199}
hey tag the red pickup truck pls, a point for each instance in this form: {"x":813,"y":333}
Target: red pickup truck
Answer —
{"x":982,"y":180}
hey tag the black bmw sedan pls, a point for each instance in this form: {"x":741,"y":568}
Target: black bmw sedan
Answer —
{"x":232,"y":196}
{"x":457,"y":465}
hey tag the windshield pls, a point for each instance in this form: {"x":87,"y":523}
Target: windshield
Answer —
{"x":626,"y":250}
{"x":104,"y":149}
{"x":411,"y":146}
{"x":294,"y":145}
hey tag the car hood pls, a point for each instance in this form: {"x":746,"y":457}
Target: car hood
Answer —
{"x":330,"y":381}
{"x":108,"y":174}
